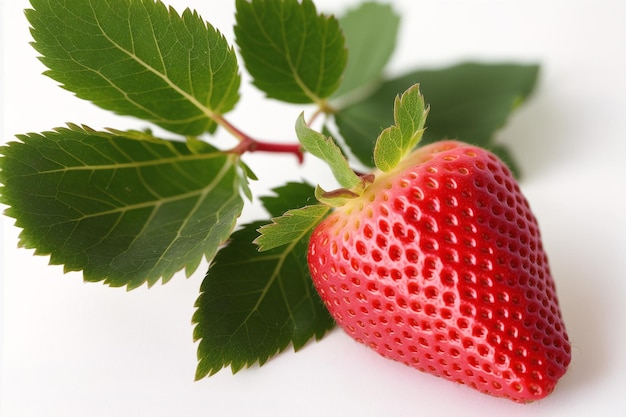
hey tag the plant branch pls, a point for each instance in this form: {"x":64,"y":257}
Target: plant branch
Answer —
{"x":249,"y":144}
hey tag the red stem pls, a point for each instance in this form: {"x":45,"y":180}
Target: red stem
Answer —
{"x":249,"y":144}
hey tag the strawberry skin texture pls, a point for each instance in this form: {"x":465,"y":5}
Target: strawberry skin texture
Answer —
{"x":439,"y":265}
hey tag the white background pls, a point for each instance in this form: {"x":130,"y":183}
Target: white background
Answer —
{"x":70,"y":348}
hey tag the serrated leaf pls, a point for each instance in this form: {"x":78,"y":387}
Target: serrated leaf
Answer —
{"x":327,"y":150}
{"x":289,"y":227}
{"x":370,"y":30}
{"x":398,"y":140}
{"x":195,"y":145}
{"x":289,"y":196}
{"x":254,"y":304}
{"x":292,"y":53}
{"x":138,"y":58}
{"x":124,"y":211}
{"x":246,"y":174}
{"x":469,"y":102}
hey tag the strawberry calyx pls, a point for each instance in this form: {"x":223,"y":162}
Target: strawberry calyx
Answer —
{"x":393,"y":146}
{"x":340,"y":196}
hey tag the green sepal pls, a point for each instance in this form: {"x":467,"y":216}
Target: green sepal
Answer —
{"x":396,"y":141}
{"x":334,"y":198}
{"x":293,"y":225}
{"x":327,"y":150}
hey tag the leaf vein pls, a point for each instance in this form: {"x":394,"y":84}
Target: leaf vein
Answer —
{"x":162,"y":75}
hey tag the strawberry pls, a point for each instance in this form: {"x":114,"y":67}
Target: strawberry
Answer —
{"x":439,"y":264}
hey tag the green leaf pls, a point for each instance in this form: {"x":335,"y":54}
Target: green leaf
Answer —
{"x":292,"y":53}
{"x":246,"y":174}
{"x":123,"y":210}
{"x":254,"y":304}
{"x":289,"y":196}
{"x":290,"y":227}
{"x":138,"y":58}
{"x":370,"y":30}
{"x":469,"y":102}
{"x":327,"y":150}
{"x":395,"y":142}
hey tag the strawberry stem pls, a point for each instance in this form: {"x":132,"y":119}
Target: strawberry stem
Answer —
{"x":248,"y":144}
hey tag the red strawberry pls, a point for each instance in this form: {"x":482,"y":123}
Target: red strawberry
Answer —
{"x":439,"y":265}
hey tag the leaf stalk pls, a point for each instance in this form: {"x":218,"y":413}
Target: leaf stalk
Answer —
{"x":248,"y":144}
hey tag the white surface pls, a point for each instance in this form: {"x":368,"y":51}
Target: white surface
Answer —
{"x":76,"y":349}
